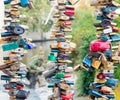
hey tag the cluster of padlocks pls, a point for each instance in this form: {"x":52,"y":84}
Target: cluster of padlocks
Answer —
{"x":13,"y":46}
{"x":103,"y":54}
{"x":61,"y":49}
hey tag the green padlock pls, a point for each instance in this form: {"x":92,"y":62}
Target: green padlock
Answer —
{"x":52,"y":57}
{"x":60,"y":75}
{"x":10,"y":46}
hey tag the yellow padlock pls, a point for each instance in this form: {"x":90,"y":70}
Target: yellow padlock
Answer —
{"x":96,"y":63}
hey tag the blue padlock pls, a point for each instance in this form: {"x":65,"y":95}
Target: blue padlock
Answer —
{"x":87,"y":61}
{"x":24,"y":44}
{"x":31,"y":45}
{"x":108,"y":52}
{"x":104,"y":38}
{"x":95,"y":93}
{"x":5,"y":34}
{"x":103,"y":17}
{"x":112,"y":82}
{"x":7,"y":1}
{"x":55,"y":50}
{"x":24,"y":3}
{"x":21,"y":73}
{"x":115,"y":38}
{"x":109,"y":9}
{"x":5,"y":77}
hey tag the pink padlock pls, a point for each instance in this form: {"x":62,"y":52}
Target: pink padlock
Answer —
{"x":69,"y":12}
{"x":68,"y":23}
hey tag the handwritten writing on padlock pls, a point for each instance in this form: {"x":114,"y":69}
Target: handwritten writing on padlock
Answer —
{"x":63,"y":45}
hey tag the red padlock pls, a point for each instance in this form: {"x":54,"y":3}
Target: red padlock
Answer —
{"x":101,"y":76}
{"x":115,"y":29}
{"x":68,"y":23}
{"x":69,"y":12}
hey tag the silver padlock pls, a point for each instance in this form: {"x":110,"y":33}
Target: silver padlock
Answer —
{"x":107,"y":30}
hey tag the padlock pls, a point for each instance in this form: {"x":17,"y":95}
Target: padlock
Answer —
{"x":96,"y":63}
{"x":55,"y":50}
{"x":109,"y":73}
{"x":10,"y":46}
{"x":31,"y":46}
{"x":67,"y":23}
{"x":100,"y":28}
{"x":101,"y":17}
{"x":101,"y":76}
{"x":108,"y":53}
{"x":69,"y":12}
{"x":56,"y":15}
{"x":5,"y":77}
{"x":64,"y":86}
{"x":60,"y":75}
{"x":66,"y":29}
{"x":96,"y":55}
{"x":7,"y":1}
{"x":6,"y":34}
{"x":100,"y":2}
{"x":97,"y":94}
{"x":112,"y":82}
{"x":64,"y":17}
{"x":53,"y":47}
{"x":15,"y":13}
{"x":12,"y":93}
{"x":24,"y":3}
{"x":114,"y":37}
{"x":63,"y":45}
{"x":22,"y":94}
{"x":64,"y":56}
{"x":61,"y":2}
{"x":104,"y":38}
{"x":105,"y":23}
{"x":115,"y":29}
{"x":52,"y":57}
{"x":112,"y":15}
{"x":64,"y":61}
{"x":31,"y":4}
{"x":96,"y":86}
{"x":109,"y":9}
{"x":99,"y":45}
{"x":70,"y":7}
{"x":101,"y":99}
{"x":108,"y":30}
{"x":60,"y":7}
{"x":87,"y":62}
{"x":7,"y":65}
{"x":15,"y":29}
{"x":21,"y":73}
{"x":60,"y":39}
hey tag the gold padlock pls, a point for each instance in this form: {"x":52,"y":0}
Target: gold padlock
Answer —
{"x":101,"y":99}
{"x":96,"y":63}
{"x":15,"y":13}
{"x":61,"y":2}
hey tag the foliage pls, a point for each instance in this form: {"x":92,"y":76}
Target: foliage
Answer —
{"x":36,"y":17}
{"x":83,"y":33}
